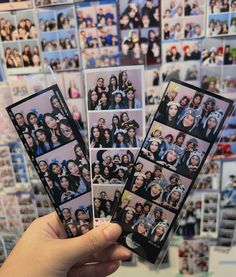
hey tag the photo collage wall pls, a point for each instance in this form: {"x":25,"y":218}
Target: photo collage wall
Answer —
{"x":188,"y":40}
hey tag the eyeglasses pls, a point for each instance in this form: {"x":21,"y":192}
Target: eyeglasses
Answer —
{"x":66,"y":130}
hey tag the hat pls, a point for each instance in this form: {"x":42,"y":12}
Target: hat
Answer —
{"x":195,"y":153}
{"x":158,"y":209}
{"x":120,"y":131}
{"x":173,"y":88}
{"x":155,"y":139}
{"x":139,"y":174}
{"x":179,"y":189}
{"x":174,"y":175}
{"x":173,"y":103}
{"x":210,"y":100}
{"x":156,"y":128}
{"x":192,"y":141}
{"x":130,"y":87}
{"x":130,"y":208}
{"x":144,"y":222}
{"x":217,"y":115}
{"x":120,"y":167}
{"x":165,"y":225}
{"x":174,"y":148}
{"x":192,"y":112}
{"x":118,"y":92}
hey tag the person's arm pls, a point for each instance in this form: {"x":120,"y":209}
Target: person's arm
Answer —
{"x":45,"y":250}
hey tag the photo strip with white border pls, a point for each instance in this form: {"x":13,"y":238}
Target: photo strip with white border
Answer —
{"x":115,"y":100}
{"x":56,"y":148}
{"x":180,"y":137}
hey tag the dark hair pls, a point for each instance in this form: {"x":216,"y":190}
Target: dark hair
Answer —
{"x":50,"y":115}
{"x":68,"y":179}
{"x":118,"y":142}
{"x":28,"y":119}
{"x":34,"y":149}
{"x":93,"y":167}
{"x":121,"y":117}
{"x":48,"y":139}
{"x":91,"y":105}
{"x":64,"y":122}
{"x":110,"y":85}
{"x":115,"y":116}
{"x":52,"y":174}
{"x":92,"y":136}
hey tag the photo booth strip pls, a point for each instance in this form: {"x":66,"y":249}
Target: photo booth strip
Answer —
{"x":15,"y":5}
{"x":210,"y":214}
{"x":96,"y":111}
{"x":41,"y":105}
{"x":173,"y":94}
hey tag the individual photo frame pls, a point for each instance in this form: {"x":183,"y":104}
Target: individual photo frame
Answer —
{"x":7,"y":5}
{"x":145,"y":225}
{"x":98,"y":33}
{"x":211,"y":79}
{"x":220,"y":18}
{"x":59,"y":173}
{"x":105,"y":201}
{"x":123,"y":81}
{"x":8,"y":178}
{"x":46,"y":3}
{"x":140,"y":32}
{"x":78,"y":216}
{"x":159,"y":185}
{"x":183,"y":19}
{"x":193,"y":257}
{"x":228,"y":185}
{"x":158,"y":149}
{"x":210,"y":214}
{"x":58,"y":36}
{"x":227,"y":227}
{"x":213,"y":52}
{"x":111,"y":166}
{"x":20,"y":42}
{"x":104,"y":134}
{"x":189,"y":221}
{"x":65,"y":172}
{"x":200,"y":148}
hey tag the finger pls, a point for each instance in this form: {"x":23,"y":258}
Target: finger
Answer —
{"x":98,"y":270}
{"x":51,"y":226}
{"x":92,"y":242}
{"x":113,"y":253}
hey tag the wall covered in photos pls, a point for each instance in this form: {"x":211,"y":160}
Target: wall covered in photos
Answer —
{"x":87,"y":41}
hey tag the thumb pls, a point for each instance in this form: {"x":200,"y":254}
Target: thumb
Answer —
{"x":95,"y":240}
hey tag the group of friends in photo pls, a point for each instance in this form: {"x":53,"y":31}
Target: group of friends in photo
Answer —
{"x":104,"y":17}
{"x":118,"y":94}
{"x":24,"y":30}
{"x":26,"y":57}
{"x":177,"y":10}
{"x":66,"y":179}
{"x":154,"y":186}
{"x":78,"y":221}
{"x":134,"y":17}
{"x":190,"y":114}
{"x":141,"y":218}
{"x":112,"y":169}
{"x":44,"y":132}
{"x":175,"y":152}
{"x":121,"y":133}
{"x":105,"y":206}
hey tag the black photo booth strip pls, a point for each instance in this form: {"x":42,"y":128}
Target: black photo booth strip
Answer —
{"x":77,"y":138}
{"x":140,"y":244}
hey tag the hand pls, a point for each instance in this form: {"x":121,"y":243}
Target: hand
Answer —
{"x":54,"y":136}
{"x":92,"y":144}
{"x":44,"y":250}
